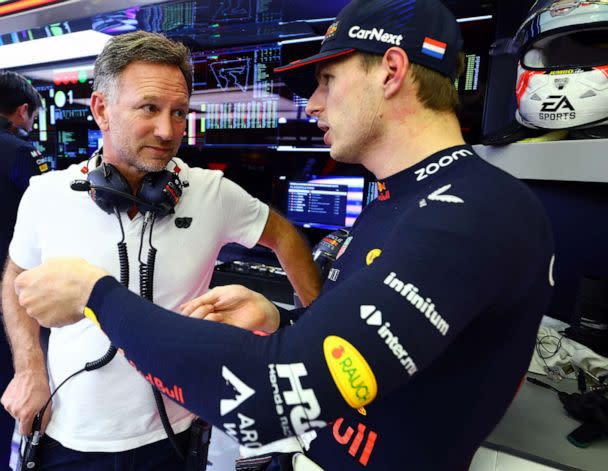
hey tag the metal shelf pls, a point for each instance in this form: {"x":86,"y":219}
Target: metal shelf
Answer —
{"x":578,"y":161}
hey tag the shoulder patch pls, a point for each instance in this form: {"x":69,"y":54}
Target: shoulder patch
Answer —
{"x":350,"y":371}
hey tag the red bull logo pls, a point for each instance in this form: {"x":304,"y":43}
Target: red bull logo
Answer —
{"x":383,"y":192}
{"x":176,"y":393}
{"x":331,"y":31}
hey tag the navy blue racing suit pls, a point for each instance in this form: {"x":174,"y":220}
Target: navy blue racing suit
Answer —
{"x":19,"y":161}
{"x":411,"y":354}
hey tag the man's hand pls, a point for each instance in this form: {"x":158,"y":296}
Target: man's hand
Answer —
{"x":25,"y":396}
{"x":56,"y":292}
{"x":234,"y":305}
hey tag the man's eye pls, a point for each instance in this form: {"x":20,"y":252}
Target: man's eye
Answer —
{"x":180,"y":114}
{"x":149,"y":108}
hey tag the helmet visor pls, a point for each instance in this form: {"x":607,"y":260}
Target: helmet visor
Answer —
{"x":553,"y":15}
{"x":575,"y":50}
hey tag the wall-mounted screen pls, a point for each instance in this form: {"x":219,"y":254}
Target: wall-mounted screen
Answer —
{"x":327,"y":202}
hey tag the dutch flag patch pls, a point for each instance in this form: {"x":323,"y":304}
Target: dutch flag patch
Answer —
{"x":434,"y":48}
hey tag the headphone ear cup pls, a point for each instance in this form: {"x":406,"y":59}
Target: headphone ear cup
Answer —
{"x":108,"y":176}
{"x":162,"y":190}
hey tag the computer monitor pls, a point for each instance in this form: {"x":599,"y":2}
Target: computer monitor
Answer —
{"x":65,"y":130}
{"x":478,"y":36}
{"x":372,"y":192}
{"x":95,"y":140}
{"x":327,"y":202}
{"x":238,"y":101}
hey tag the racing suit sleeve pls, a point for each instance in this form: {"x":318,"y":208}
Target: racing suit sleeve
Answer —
{"x":289,"y":317}
{"x":24,"y":167}
{"x":358,"y":343}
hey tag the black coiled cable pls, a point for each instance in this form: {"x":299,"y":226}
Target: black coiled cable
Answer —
{"x":124,"y":267}
{"x":103,"y":361}
{"x":150,"y":272}
{"x":123,"y":256}
{"x":28,"y":461}
{"x":146,"y":290}
{"x":146,"y":270}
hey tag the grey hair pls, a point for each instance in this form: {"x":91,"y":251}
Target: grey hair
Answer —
{"x":139,"y":46}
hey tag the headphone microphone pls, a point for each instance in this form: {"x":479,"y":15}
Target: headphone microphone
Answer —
{"x":80,"y":185}
{"x":85,"y":185}
{"x":158,"y":193}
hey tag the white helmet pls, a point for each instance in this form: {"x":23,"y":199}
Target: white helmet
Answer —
{"x":562,"y":78}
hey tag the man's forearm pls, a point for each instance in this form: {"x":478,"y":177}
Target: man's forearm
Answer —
{"x":22,"y":331}
{"x":294,"y":254}
{"x":295,"y":258}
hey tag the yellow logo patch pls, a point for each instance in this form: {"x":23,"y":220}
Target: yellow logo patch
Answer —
{"x":372,"y":255}
{"x":88,"y":312}
{"x":562,"y":72}
{"x":351,"y":373}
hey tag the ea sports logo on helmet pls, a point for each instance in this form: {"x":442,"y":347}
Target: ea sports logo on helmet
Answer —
{"x":557,"y":108}
{"x":557,"y":103}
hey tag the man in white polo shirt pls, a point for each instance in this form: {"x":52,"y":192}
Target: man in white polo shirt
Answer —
{"x":107,"y":419}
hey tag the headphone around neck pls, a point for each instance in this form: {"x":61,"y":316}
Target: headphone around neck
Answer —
{"x":158,"y":193}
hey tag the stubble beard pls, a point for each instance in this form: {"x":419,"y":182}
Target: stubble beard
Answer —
{"x":130,"y":155}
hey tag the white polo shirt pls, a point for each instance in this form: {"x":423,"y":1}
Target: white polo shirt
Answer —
{"x":113,"y":409}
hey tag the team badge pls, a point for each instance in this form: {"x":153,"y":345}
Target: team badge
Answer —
{"x":350,"y":371}
{"x":372,"y":255}
{"x":331,"y":31}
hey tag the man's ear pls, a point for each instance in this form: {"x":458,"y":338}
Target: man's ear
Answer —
{"x":99,"y":109}
{"x":23,"y":111}
{"x":396,"y":65}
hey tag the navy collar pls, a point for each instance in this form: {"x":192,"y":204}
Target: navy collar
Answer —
{"x":423,"y":172}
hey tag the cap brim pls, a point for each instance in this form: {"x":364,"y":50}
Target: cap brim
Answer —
{"x":300,"y":75}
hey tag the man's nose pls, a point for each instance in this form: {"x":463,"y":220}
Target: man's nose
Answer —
{"x":315,"y":104}
{"x":164,"y":128}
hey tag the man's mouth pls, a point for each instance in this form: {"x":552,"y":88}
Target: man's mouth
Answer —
{"x":325,"y":128}
{"x":160,"y":150}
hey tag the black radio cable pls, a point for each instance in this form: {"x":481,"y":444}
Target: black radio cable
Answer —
{"x":146,"y":290}
{"x":122,"y":253}
{"x":146,"y":270}
{"x":28,"y":461}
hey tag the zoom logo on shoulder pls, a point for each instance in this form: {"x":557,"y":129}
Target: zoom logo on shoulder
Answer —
{"x":183,"y":223}
{"x":445,"y":161}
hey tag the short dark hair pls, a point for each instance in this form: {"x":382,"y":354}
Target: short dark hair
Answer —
{"x":435,"y":91}
{"x":139,"y":46}
{"x":15,"y":90}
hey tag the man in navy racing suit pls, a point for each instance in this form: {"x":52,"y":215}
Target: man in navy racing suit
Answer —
{"x":427,"y":322}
